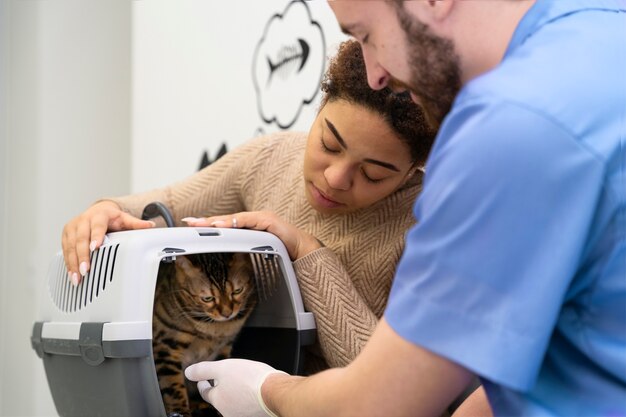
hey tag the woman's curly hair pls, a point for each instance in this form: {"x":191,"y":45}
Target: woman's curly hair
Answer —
{"x":346,"y":79}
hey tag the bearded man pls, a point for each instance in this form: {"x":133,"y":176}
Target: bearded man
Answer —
{"x":516,"y":269}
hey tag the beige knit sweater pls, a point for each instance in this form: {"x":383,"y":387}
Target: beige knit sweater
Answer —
{"x":346,"y":283}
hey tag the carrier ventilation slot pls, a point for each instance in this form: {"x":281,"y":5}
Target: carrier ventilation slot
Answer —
{"x":70,"y":298}
{"x":266,"y":273}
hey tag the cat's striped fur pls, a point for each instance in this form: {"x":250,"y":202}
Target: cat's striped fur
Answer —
{"x":201,"y":303}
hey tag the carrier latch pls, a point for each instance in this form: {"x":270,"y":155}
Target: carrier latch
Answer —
{"x":90,"y":343}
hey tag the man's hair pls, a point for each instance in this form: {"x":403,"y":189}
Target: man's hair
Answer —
{"x":346,"y":79}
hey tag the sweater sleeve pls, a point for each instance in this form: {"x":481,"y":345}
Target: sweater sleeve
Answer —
{"x":343,"y":319}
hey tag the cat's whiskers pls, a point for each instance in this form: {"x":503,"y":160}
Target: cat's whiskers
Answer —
{"x":181,"y":308}
{"x":183,"y":311}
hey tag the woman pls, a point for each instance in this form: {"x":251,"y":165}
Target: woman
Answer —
{"x":340,"y":199}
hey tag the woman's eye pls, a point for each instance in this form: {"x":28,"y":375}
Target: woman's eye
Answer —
{"x":237,"y":291}
{"x":326,"y":148}
{"x":370,"y":179}
{"x":208,"y":299}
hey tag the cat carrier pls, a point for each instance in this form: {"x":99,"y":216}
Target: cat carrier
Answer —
{"x":95,"y":339}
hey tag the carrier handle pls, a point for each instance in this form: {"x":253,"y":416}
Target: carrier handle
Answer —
{"x":157,"y":209}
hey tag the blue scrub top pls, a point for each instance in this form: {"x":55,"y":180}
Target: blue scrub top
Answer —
{"x":517,"y":266}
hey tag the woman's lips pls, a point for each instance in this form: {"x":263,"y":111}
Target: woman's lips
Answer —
{"x":322,"y":200}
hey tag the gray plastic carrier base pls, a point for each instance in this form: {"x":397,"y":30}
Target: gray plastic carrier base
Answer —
{"x":96,"y":339}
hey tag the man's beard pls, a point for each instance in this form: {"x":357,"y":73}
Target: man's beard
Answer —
{"x":435,"y":68}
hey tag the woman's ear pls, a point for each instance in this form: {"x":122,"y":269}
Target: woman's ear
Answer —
{"x":411,"y":173}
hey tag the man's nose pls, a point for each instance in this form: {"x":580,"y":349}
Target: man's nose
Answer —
{"x":377,"y":76}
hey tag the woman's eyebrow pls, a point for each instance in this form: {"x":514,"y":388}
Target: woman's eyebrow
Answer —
{"x":345,"y":146}
{"x":382,"y":164}
{"x":336,"y":133}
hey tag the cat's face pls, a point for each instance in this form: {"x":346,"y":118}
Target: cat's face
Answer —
{"x":219,"y":289}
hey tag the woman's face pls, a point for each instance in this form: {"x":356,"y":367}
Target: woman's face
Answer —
{"x":353,"y":159}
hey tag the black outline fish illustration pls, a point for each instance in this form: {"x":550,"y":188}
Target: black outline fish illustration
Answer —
{"x":285,"y":63}
{"x":292,"y":55}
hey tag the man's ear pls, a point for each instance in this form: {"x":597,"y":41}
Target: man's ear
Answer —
{"x":430,"y":12}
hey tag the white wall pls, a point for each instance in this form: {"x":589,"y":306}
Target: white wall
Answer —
{"x":193,"y":77}
{"x":66,"y":141}
{"x":3,"y":171}
{"x":68,"y":110}
{"x":17,"y":304}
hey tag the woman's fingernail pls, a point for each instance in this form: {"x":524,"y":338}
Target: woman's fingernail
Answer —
{"x":92,"y":246}
{"x":83,"y":268}
{"x":190,"y":219}
{"x":218,"y":223}
{"x":75,"y":279}
{"x":152,"y":223}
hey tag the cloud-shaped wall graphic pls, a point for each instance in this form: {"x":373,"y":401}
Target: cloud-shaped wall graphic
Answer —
{"x":288,"y":64}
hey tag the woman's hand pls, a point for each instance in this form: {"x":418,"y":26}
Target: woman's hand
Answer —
{"x":298,"y":242}
{"x":85,"y":233}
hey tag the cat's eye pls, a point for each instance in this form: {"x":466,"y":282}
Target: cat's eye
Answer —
{"x":208,"y":299}
{"x":237,"y":291}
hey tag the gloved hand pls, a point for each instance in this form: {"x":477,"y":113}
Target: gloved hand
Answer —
{"x":236,"y":389}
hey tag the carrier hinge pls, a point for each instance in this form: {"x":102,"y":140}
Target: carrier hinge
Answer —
{"x":266,"y":256}
{"x":170,"y":259}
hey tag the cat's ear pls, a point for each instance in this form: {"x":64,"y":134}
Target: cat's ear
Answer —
{"x":185,"y":264}
{"x":239,"y":257}
{"x":241,"y":261}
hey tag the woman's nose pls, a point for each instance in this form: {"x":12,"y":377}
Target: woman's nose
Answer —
{"x":338,"y":177}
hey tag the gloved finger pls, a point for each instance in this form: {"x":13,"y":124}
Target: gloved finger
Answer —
{"x":204,"y":387}
{"x":201,"y":371}
{"x":212,"y":396}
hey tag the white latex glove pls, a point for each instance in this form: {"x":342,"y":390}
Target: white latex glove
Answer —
{"x":236,"y":389}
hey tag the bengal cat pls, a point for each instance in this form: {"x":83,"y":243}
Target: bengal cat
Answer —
{"x":201,"y":303}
